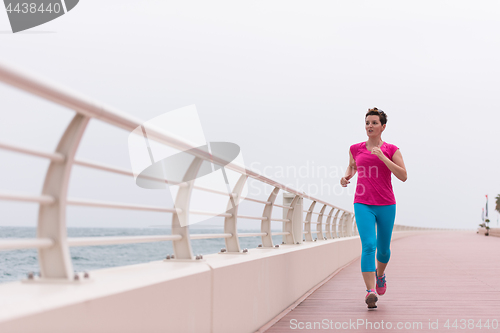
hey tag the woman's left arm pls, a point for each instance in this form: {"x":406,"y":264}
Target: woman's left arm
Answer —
{"x":397,"y":165}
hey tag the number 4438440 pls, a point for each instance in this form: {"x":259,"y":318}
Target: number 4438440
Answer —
{"x":470,"y":324}
{"x":33,"y":8}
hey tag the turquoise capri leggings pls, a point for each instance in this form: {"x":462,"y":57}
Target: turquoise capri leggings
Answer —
{"x":367,"y":217}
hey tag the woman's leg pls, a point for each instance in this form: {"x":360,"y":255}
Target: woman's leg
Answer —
{"x":381,"y":268}
{"x":385,"y":224}
{"x":365,"y":222}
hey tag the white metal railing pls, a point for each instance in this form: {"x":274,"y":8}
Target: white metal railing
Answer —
{"x":41,"y":199}
{"x":52,"y":241}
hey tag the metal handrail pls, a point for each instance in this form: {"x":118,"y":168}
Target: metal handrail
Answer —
{"x":56,"y":264}
{"x":41,"y":199}
{"x":252,"y":234}
{"x":210,"y":236}
{"x":280,"y":220}
{"x":280,"y":233}
{"x":92,"y":109}
{"x":199,"y":212}
{"x":91,"y":241}
{"x":258,"y":201}
{"x":55,"y":157}
{"x":262,"y":218}
{"x":119,"y":205}
{"x":284,"y":207}
{"x":26,"y":243}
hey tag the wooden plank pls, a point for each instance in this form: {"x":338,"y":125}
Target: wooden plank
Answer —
{"x":431,"y":278}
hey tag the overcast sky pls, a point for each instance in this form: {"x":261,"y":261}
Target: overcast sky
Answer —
{"x":287,"y":81}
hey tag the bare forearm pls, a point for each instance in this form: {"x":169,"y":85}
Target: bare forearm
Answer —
{"x":398,"y":171}
{"x":350,"y":172}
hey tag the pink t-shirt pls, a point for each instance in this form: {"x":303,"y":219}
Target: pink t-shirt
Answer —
{"x":374,"y":185}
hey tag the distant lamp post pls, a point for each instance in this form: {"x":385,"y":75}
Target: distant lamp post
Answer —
{"x":486,"y":206}
{"x":485,"y":223}
{"x":497,"y":205}
{"x":487,"y":220}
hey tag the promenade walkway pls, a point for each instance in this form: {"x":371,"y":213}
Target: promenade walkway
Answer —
{"x":432,"y":279}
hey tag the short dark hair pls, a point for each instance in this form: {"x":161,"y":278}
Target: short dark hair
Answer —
{"x":376,"y":112}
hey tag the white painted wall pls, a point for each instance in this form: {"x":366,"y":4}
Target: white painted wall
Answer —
{"x":221,"y":293}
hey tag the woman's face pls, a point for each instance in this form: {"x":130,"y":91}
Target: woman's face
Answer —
{"x":373,"y":126}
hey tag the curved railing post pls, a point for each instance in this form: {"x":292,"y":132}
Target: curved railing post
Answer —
{"x":319,"y":226}
{"x":342,"y":224}
{"x":307,"y":224}
{"x":52,"y":242}
{"x":350,"y":218}
{"x":335,"y":224}
{"x":230,"y":223}
{"x":182,"y":247}
{"x":288,"y":226}
{"x":55,"y":262}
{"x":328,"y":224}
{"x":265,"y":226}
{"x":295,"y":226}
{"x":346,"y":225}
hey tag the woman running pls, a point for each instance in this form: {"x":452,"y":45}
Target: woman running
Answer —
{"x":374,"y":201}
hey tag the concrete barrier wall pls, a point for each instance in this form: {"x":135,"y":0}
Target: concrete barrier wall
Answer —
{"x":221,"y":293}
{"x":495,"y":232}
{"x":492,"y":232}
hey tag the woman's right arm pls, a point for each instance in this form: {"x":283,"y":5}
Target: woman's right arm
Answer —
{"x":350,"y":172}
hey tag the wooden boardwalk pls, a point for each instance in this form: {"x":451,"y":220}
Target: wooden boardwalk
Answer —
{"x":431,"y":278}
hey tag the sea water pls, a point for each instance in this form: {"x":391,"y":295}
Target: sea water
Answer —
{"x":16,"y":264}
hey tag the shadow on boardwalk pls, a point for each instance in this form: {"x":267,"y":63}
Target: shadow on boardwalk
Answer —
{"x":431,"y":278}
